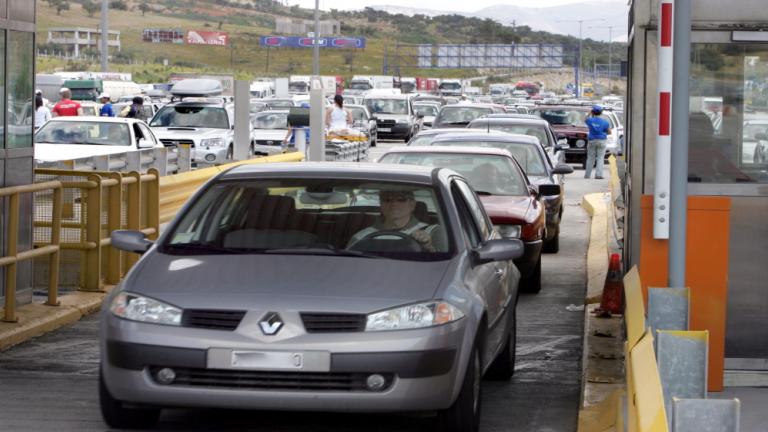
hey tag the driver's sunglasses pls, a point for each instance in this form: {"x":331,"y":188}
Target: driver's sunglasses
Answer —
{"x":395,"y":198}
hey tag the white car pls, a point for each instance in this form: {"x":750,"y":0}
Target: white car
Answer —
{"x":269,"y":130}
{"x":67,"y":138}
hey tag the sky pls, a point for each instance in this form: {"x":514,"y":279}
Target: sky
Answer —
{"x":450,"y":5}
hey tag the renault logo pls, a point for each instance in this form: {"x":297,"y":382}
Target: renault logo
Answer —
{"x":271,"y":323}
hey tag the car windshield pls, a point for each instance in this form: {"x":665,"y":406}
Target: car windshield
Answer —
{"x":563,"y":116}
{"x":85,"y":94}
{"x":527,"y":155}
{"x":750,"y":130}
{"x":191,"y":116}
{"x":84,"y":132}
{"x":536,"y":131}
{"x":271,"y":120}
{"x":387,"y":106}
{"x":422,"y":140}
{"x":450,"y":86}
{"x":426,"y":110}
{"x":460,"y":114}
{"x":298,"y":87}
{"x":320,"y":216}
{"x":358,"y":114}
{"x":360,"y":86}
{"x":491,"y":174}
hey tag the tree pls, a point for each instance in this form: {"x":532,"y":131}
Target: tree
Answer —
{"x":118,"y":5}
{"x":61,"y":5}
{"x":144,"y":8}
{"x":91,"y":8}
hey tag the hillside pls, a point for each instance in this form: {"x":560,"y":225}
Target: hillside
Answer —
{"x":246,"y":21}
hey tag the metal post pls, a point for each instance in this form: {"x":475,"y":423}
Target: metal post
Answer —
{"x":680,"y":121}
{"x":104,"y":35}
{"x":578,"y":74}
{"x":316,"y":42}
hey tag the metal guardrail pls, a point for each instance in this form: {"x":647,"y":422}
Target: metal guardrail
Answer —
{"x":166,"y":161}
{"x":13,"y":256}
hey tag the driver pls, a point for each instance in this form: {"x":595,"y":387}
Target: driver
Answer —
{"x":397,"y":207}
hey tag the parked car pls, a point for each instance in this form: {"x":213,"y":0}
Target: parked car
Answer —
{"x":536,"y":165}
{"x":535,"y":127}
{"x":379,"y":325}
{"x":460,"y":115}
{"x":67,"y":138}
{"x":394,"y":114}
{"x":512,"y":202}
{"x":363,"y":122}
{"x":568,"y":122}
{"x":269,"y":130}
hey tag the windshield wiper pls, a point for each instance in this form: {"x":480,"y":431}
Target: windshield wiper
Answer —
{"x":457,"y":122}
{"x":318,"y":251}
{"x":205,"y":248}
{"x":483,"y":193}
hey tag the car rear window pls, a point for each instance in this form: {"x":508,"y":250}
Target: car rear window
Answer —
{"x":527,"y":155}
{"x":85,"y":133}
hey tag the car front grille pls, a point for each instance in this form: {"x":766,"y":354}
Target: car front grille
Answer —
{"x":386,"y":123}
{"x":333,"y":323}
{"x":270,"y":380}
{"x":177,"y":142}
{"x":269,"y":142}
{"x":212,"y":319}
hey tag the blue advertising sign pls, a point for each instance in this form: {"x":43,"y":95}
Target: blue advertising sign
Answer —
{"x":308,"y":42}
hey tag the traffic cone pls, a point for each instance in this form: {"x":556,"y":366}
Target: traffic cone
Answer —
{"x":611,"y":302}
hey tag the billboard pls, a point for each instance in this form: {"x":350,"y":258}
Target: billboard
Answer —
{"x":163,"y":36}
{"x":455,"y":56}
{"x":308,"y":42}
{"x":199,"y":37}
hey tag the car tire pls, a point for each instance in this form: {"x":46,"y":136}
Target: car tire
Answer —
{"x":532,"y":283}
{"x":552,"y":245}
{"x":464,"y":414}
{"x":503,"y":367}
{"x":230,"y":153}
{"x":117,"y":416}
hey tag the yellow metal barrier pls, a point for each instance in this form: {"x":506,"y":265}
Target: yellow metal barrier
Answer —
{"x":175,"y":190}
{"x":11,"y":246}
{"x":634,"y":314}
{"x":99,"y":203}
{"x":645,"y":390}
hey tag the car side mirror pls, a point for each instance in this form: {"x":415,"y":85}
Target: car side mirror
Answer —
{"x":131,"y":241}
{"x":145,"y":143}
{"x":561,"y":137}
{"x":498,"y":250}
{"x":761,"y":136}
{"x":549,"y":189}
{"x":533,"y":190}
{"x":562,"y":169}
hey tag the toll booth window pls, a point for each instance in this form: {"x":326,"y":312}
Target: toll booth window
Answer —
{"x":728,"y":132}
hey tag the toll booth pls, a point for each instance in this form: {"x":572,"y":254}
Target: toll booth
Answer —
{"x":728,"y":154}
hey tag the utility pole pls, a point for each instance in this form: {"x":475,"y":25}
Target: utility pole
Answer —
{"x":316,"y":42}
{"x":578,"y":67}
{"x":104,"y":35}
{"x":610,"y":57}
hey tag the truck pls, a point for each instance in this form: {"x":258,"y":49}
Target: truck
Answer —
{"x":383,"y":81}
{"x":450,"y":87}
{"x":426,"y":85}
{"x":84,"y":89}
{"x":299,"y":84}
{"x":407,"y":84}
{"x":529,"y":87}
{"x":49,"y":84}
{"x":500,"y":89}
{"x":360,"y":84}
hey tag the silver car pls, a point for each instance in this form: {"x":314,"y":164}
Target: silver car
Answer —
{"x":294,"y":287}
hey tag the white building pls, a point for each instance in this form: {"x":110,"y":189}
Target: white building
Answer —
{"x":78,"y":38}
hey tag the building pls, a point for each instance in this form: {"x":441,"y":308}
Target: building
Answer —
{"x":292,"y":26}
{"x":17,"y":52}
{"x":75,"y":39}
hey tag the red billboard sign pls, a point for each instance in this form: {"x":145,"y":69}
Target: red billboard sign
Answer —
{"x":199,"y":37}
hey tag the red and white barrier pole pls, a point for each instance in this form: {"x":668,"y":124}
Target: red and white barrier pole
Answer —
{"x":663,"y":164}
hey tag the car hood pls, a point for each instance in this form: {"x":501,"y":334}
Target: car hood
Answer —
{"x":507,"y":209}
{"x":569,"y":130}
{"x":187,"y":132}
{"x":270,"y":134}
{"x":58,"y":152}
{"x":286,"y":282}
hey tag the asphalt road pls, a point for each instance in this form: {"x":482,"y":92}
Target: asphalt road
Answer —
{"x":50,"y":383}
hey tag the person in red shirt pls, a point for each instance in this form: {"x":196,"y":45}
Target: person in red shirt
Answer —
{"x":66,"y":107}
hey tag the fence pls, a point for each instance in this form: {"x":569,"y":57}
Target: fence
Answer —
{"x":165,"y":160}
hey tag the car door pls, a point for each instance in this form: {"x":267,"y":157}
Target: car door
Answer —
{"x":490,"y":280}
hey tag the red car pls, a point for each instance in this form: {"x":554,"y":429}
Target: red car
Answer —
{"x":510,"y":200}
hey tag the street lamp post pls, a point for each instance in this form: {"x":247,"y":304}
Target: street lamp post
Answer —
{"x":104,"y":36}
{"x":578,"y":68}
{"x":315,"y":43}
{"x":610,"y":57}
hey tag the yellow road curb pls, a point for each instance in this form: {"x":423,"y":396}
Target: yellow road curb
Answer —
{"x":36,"y":319}
{"x":597,"y":254}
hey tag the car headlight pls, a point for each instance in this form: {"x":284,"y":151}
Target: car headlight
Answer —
{"x":580,"y":143}
{"x":139,"y":308}
{"x":212,"y":142}
{"x":413,"y":316}
{"x":509,"y":231}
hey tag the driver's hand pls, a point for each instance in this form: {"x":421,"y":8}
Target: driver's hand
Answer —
{"x":424,"y":239}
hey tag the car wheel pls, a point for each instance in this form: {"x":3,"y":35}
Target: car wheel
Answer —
{"x":230,"y":152}
{"x":503,"y":367}
{"x":117,"y":416}
{"x":464,"y":414}
{"x":552,"y":245}
{"x":532,"y":283}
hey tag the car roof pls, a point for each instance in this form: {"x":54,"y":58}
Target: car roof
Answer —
{"x":510,"y":116}
{"x":484,"y":136}
{"x":334,"y":170}
{"x":472,"y":105}
{"x":538,"y":121}
{"x":75,"y":119}
{"x":564,"y":107}
{"x":456,"y":131}
{"x":493,"y":151}
{"x":386,"y":96}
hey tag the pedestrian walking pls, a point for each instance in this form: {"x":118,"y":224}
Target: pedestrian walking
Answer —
{"x":42,"y":113}
{"x":599,"y":128}
{"x":66,"y":107}
{"x":106,"y":109}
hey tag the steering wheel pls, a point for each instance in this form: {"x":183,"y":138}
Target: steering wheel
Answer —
{"x":412,"y":245}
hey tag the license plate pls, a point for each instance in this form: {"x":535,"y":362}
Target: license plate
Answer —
{"x":385,"y":130}
{"x":306,"y":361}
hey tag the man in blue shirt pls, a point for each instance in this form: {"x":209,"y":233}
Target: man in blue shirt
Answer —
{"x":106,"y":109}
{"x":599,"y":128}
